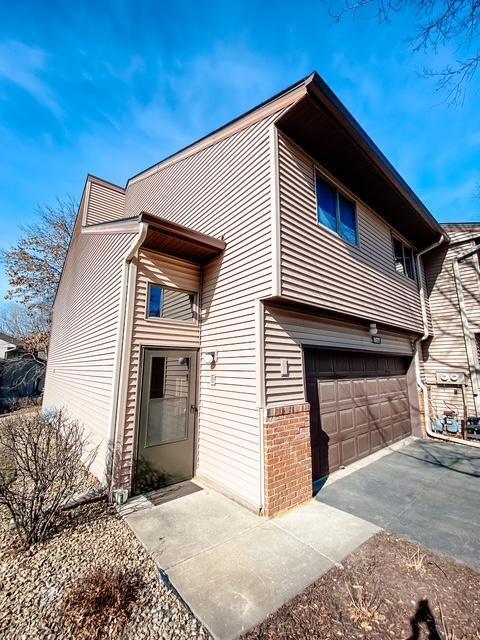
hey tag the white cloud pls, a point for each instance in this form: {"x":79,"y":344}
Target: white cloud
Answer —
{"x":23,"y":66}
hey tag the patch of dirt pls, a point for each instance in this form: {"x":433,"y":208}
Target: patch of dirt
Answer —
{"x":34,"y":582}
{"x":388,"y":588}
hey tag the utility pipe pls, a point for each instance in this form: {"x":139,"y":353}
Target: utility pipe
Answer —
{"x":117,"y":367}
{"x":426,"y":333}
{"x":465,"y":326}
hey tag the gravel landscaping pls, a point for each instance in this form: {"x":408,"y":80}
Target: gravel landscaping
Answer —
{"x":388,"y":588}
{"x":33,"y":582}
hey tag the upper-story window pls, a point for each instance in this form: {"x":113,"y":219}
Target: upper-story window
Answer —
{"x":335,"y":211}
{"x":170,"y":304}
{"x":403,"y":259}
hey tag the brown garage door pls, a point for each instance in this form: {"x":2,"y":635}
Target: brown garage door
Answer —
{"x":358,"y":403}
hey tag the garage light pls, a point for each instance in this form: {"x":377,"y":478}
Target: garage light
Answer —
{"x":373,"y":330}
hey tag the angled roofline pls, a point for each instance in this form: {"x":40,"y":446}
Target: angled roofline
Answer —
{"x":275,"y":102}
{"x":314,"y":86}
{"x":319,"y":89}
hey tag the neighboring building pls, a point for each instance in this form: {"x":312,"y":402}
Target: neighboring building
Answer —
{"x":248,"y":310}
{"x":7,"y":344}
{"x":451,"y":355}
{"x":22,"y":374}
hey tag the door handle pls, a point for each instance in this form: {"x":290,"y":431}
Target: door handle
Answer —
{"x":193,"y":409}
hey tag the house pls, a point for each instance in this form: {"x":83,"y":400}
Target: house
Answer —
{"x":249,"y":310}
{"x":21,"y":373}
{"x":7,"y":344}
{"x":451,"y":355}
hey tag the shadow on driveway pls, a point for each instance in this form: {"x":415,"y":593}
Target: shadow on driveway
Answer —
{"x":428,"y":492}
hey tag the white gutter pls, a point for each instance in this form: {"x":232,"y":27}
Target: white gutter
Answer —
{"x":465,"y":326}
{"x":426,"y":334}
{"x":117,"y":367}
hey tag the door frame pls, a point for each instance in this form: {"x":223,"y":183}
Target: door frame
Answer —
{"x":139,"y":398}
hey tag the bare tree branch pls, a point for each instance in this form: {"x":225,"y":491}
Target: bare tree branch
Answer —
{"x":439,"y":23}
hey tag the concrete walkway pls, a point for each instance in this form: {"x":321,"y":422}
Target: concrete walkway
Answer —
{"x":232,"y":567}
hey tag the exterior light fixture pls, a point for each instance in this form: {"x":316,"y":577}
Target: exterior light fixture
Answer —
{"x":209,"y":357}
{"x":373,"y":330}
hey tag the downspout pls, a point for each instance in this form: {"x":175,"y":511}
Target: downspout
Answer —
{"x":465,"y":326}
{"x":118,"y":361}
{"x":426,"y":333}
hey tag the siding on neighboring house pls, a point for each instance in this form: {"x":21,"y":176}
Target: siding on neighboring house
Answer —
{"x":85,"y":323}
{"x":153,"y":332}
{"x":287,"y":331}
{"x":447,"y":349}
{"x":224,"y":191}
{"x":105,"y":202}
{"x":319,"y":268}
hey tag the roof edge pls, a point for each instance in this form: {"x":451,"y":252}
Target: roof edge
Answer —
{"x":318,"y":88}
{"x":245,"y":119}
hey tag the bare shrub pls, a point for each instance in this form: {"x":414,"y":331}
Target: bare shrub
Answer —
{"x":44,"y":462}
{"x":416,"y":561}
{"x":365,"y":603}
{"x":100,"y":603}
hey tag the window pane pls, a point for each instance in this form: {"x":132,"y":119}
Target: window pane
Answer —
{"x":155,"y":301}
{"x":348,"y":224}
{"x":171,"y":304}
{"x":409,"y":268}
{"x":326,"y":204}
{"x":398,"y":249}
{"x":167,"y":405}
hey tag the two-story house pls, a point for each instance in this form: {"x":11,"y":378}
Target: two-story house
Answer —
{"x":248,"y":310}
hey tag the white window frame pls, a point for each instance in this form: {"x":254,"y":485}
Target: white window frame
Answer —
{"x":347,"y":196}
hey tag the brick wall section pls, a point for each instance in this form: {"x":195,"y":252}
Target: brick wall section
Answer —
{"x":288,"y":458}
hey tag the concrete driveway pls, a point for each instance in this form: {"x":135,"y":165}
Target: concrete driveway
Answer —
{"x":427,"y":491}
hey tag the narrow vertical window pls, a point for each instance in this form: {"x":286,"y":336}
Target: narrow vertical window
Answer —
{"x":327,"y":204}
{"x":403,"y":259}
{"x":335,"y":211}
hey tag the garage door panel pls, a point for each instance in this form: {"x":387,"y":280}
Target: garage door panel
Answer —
{"x":348,"y":451}
{"x":344,"y":390}
{"x":363,"y":444}
{"x":361,"y":417}
{"x":327,"y":391}
{"x":361,"y":405}
{"x":329,"y":423}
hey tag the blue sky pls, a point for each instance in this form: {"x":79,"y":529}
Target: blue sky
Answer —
{"x":111,"y":88}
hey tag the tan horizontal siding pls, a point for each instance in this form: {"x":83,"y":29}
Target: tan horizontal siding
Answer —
{"x":84,"y":333}
{"x":104,"y":204}
{"x":154,"y":332}
{"x":447,"y":349}
{"x":319,"y":268}
{"x":224,"y":190}
{"x":286,"y":332}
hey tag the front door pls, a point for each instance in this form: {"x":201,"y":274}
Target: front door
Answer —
{"x":167,"y":419}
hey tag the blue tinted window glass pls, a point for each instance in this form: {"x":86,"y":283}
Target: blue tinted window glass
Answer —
{"x":326,"y":204}
{"x":348,"y":224}
{"x":155,"y":302}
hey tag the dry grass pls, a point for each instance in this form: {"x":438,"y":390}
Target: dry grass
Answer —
{"x":416,"y":561}
{"x":101,"y":599}
{"x":365,"y":602}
